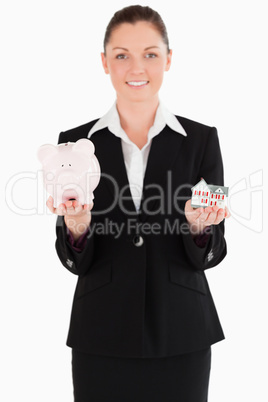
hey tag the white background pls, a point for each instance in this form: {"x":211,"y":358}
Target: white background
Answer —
{"x":52,"y":80}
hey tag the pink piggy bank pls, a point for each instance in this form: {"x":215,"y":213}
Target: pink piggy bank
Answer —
{"x":70,"y":171}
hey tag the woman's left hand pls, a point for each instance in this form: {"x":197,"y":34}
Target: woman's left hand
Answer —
{"x":199,"y":218}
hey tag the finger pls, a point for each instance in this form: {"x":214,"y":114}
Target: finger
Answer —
{"x":215,"y":208}
{"x":208,"y":210}
{"x":77,"y":207}
{"x":211,"y":218}
{"x":189,"y":209}
{"x":194,"y":218}
{"x":202,"y":217}
{"x":88,"y":207}
{"x":220,"y":216}
{"x":73,"y":207}
{"x":49,"y":204}
{"x":193,"y":213}
{"x":75,"y":203}
{"x":61,"y":210}
{"x":69,"y":207}
{"x":69,"y":204}
{"x":213,"y":215}
{"x":206,"y":214}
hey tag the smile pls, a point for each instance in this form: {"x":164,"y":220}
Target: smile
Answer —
{"x":137,"y":83}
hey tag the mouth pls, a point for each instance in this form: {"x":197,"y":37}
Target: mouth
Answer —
{"x":137,"y":84}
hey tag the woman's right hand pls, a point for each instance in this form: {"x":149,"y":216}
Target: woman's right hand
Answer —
{"x":77,"y":217}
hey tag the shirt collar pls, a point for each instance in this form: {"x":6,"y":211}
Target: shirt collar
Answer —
{"x":163,"y":117}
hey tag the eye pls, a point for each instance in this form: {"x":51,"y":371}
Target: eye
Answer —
{"x":62,"y":165}
{"x":70,"y":164}
{"x":121,"y":56}
{"x":150,"y":55}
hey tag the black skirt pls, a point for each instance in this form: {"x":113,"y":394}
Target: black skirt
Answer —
{"x":182,"y":378}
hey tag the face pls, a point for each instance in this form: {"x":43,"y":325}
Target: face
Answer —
{"x":136,"y":59}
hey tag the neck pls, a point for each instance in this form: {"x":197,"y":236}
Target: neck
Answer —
{"x":137,"y":116}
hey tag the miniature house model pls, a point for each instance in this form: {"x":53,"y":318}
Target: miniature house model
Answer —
{"x":208,"y":195}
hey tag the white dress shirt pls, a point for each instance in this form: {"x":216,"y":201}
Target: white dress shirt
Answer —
{"x":135,"y":158}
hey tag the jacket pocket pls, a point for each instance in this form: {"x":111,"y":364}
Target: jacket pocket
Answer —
{"x":186,"y":277}
{"x":99,"y":274}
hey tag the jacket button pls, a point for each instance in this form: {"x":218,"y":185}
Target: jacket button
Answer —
{"x":137,"y":241}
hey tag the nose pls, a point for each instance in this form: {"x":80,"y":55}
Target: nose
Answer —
{"x":137,"y":66}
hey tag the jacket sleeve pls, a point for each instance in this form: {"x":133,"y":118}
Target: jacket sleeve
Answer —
{"x":77,"y":262}
{"x":211,"y":169}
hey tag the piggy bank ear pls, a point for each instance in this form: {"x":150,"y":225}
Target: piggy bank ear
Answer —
{"x":46,"y":151}
{"x":84,"y":146}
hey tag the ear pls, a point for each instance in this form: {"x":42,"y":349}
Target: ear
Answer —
{"x":169,"y":57}
{"x":46,"y":151}
{"x":84,"y":146}
{"x":104,"y":63}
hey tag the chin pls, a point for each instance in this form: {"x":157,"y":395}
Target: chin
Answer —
{"x":137,"y":97}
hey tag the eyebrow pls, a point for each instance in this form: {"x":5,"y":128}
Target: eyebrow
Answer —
{"x":126,"y":50}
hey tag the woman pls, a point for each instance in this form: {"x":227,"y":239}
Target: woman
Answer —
{"x":143,"y":318}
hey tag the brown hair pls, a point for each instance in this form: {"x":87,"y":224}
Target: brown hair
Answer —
{"x":133,"y":14}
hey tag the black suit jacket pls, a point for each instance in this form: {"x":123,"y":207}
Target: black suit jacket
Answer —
{"x":151,"y":300}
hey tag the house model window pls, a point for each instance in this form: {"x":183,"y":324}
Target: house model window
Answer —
{"x":204,"y":195}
